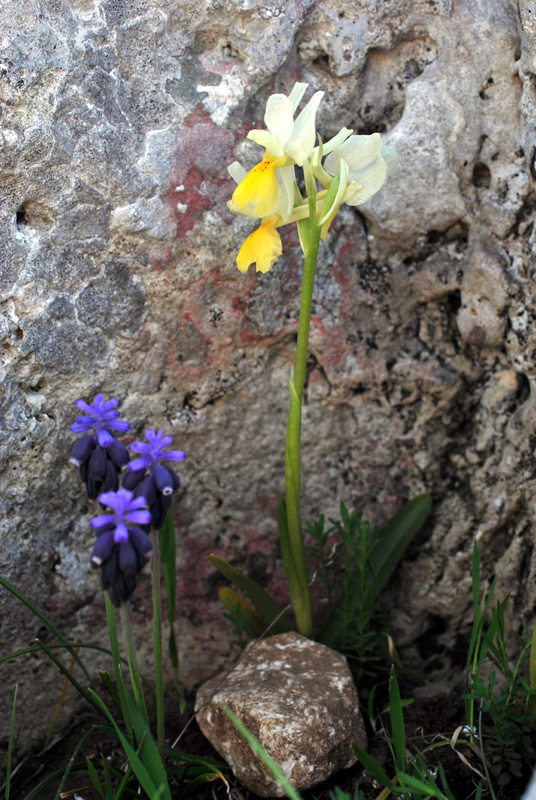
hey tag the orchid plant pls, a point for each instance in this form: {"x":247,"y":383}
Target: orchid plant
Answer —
{"x":350,"y":169}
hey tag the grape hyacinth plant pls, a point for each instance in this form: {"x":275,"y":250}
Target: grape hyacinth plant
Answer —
{"x":128,"y":534}
{"x":99,"y":456}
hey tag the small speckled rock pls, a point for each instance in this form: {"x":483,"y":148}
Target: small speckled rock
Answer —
{"x":297,"y":697}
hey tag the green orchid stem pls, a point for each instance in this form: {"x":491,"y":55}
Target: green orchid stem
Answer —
{"x":128,"y":634}
{"x":295,"y":563}
{"x":114,"y":646}
{"x":157,"y":634}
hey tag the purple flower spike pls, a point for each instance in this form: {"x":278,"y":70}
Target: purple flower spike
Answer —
{"x":122,"y":547}
{"x":102,"y":417}
{"x":152,"y":451}
{"x":98,"y":455}
{"x":149,"y":478}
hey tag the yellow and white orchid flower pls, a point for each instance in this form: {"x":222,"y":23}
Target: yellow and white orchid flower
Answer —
{"x":354,"y":169}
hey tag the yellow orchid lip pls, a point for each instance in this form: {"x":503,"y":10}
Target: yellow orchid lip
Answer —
{"x":257,"y":195}
{"x":262,"y":247}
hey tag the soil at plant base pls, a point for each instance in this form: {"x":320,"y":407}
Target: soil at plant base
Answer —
{"x":427,"y":720}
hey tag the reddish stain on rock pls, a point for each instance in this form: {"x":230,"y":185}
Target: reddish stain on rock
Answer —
{"x":200,"y":180}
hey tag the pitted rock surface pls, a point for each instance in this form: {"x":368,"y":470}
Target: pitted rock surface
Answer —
{"x":298,"y":698}
{"x":118,"y":275}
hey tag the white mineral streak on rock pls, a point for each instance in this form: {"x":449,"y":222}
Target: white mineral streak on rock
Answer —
{"x":151,"y":216}
{"x":223,"y":97}
{"x":303,"y":723}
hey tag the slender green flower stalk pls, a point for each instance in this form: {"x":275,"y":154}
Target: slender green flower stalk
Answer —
{"x":114,"y":646}
{"x":355,"y":168}
{"x":296,"y":565}
{"x":157,"y":633}
{"x":128,"y":635}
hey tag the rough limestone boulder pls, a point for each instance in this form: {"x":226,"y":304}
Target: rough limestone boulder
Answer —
{"x":298,"y":698}
{"x":117,"y":275}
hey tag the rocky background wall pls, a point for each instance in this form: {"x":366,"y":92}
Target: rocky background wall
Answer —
{"x":117,"y":275}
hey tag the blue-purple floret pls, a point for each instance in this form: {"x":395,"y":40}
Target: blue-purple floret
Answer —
{"x":150,"y":479}
{"x":122,"y":547}
{"x":98,"y":455}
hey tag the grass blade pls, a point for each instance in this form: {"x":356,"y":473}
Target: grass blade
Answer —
{"x":68,"y":675}
{"x":71,"y":766}
{"x":397,"y":722}
{"x":210,"y":763}
{"x":35,"y":793}
{"x":50,"y":625}
{"x":110,"y":688}
{"x":167,"y":554}
{"x":532,"y":670}
{"x":140,"y":770}
{"x":123,"y":785}
{"x":263,"y":755}
{"x":149,"y":754}
{"x":10,"y":743}
{"x":373,"y":767}
{"x":424,"y":789}
{"x":56,"y":646}
{"x":94,"y":775}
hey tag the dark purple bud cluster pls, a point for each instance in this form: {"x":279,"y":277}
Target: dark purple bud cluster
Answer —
{"x":98,"y":455}
{"x":123,"y":543}
{"x":122,"y":547}
{"x":148,"y":478}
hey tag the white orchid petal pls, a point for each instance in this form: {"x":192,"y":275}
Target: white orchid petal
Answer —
{"x":357,"y":151}
{"x":278,"y":117}
{"x":286,"y":178}
{"x":370,"y":180}
{"x":296,"y":95}
{"x":337,"y":140}
{"x":301,"y":144}
{"x":237,"y":171}
{"x":267,"y":140}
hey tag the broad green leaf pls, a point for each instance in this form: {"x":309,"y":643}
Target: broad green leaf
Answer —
{"x":254,"y":626}
{"x":395,"y":537}
{"x":265,"y":605}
